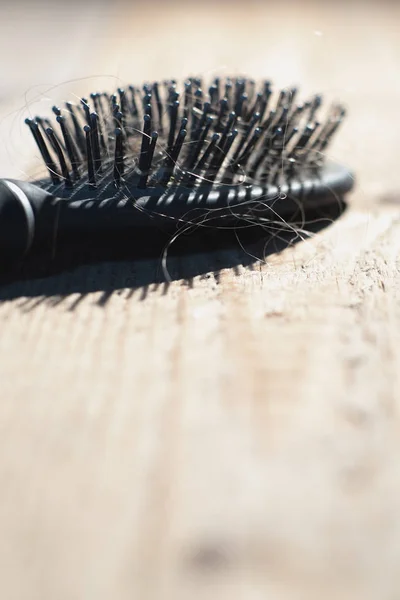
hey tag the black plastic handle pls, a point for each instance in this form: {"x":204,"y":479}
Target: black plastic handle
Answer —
{"x":17,"y":220}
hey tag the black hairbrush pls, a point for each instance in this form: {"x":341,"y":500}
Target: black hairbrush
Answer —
{"x":157,"y":157}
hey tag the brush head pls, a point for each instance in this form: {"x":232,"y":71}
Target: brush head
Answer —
{"x":162,"y":137}
{"x":169,"y":155}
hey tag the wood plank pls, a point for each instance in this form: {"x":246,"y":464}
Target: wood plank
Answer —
{"x":232,"y":434}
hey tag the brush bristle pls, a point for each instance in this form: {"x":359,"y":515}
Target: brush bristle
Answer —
{"x":163,"y":134}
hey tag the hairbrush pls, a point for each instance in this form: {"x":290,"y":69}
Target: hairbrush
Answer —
{"x":160,"y":156}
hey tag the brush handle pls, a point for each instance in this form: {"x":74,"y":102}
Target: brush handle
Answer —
{"x":31,"y":216}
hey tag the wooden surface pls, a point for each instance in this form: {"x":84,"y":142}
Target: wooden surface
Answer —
{"x":234,"y":435}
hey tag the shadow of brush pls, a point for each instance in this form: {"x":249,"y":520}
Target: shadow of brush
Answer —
{"x":135,"y":263}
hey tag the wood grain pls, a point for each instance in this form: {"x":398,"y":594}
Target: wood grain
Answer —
{"x":233,"y":434}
